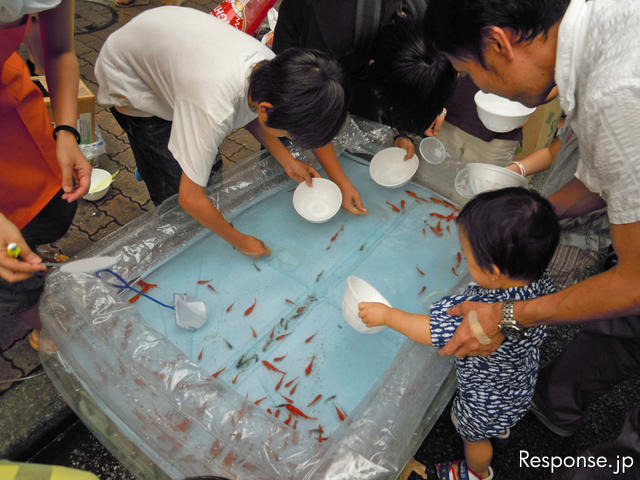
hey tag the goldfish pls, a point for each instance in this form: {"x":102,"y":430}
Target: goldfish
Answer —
{"x":250,"y":309}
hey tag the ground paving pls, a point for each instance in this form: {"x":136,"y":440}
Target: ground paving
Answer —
{"x":38,"y":426}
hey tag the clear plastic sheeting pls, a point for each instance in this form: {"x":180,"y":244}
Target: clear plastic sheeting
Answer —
{"x":165,"y":417}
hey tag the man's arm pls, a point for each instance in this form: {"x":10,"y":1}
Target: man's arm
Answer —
{"x":193,"y":198}
{"x":575,"y":199}
{"x":61,"y":69}
{"x":611,"y":294}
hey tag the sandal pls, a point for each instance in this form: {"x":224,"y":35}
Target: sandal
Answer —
{"x":458,"y":470}
{"x":34,"y":339}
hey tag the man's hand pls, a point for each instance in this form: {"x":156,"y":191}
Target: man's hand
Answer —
{"x":351,"y":200}
{"x":372,"y":313}
{"x":300,"y":171}
{"x":434,"y":128}
{"x":74,"y":166}
{"x":13,"y":269}
{"x":463,"y":341}
{"x":253,"y":247}
{"x":407,"y":144}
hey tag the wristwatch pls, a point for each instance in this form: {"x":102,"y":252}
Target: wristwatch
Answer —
{"x":509,"y":327}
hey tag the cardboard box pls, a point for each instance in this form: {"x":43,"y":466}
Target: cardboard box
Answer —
{"x":540,"y":130}
{"x":86,"y":109}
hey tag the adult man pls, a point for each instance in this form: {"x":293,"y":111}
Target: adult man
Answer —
{"x":588,"y":49}
{"x":178,"y":93}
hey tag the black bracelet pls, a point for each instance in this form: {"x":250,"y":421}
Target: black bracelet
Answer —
{"x":402,"y":135}
{"x":68,"y":129}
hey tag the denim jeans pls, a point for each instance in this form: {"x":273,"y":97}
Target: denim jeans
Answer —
{"x":149,"y":140}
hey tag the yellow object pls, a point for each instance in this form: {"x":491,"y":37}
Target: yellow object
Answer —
{"x":34,"y":471}
{"x":13,"y":250}
{"x":105,"y":183}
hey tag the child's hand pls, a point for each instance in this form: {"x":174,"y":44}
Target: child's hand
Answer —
{"x":372,"y":313}
{"x":434,"y":128}
{"x":351,"y":200}
{"x":407,"y":144}
{"x":300,"y":171}
{"x":253,"y":247}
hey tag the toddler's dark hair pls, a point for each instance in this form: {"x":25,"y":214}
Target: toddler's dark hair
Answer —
{"x":307,"y":89}
{"x":514,"y":229}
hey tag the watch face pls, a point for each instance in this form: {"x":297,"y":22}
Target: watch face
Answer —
{"x":511,"y":332}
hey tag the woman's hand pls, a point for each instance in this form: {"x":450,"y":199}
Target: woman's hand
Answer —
{"x":14,"y":269}
{"x":76,"y":169}
{"x":372,"y":314}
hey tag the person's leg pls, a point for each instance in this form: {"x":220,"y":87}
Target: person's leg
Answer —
{"x":48,"y":226}
{"x":602,"y":355}
{"x":149,"y":140}
{"x":478,"y":456}
{"x":622,"y":454}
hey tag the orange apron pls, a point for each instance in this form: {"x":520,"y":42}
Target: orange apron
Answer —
{"x":29,"y":172}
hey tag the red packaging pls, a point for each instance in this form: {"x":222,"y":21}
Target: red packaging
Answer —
{"x":245,"y":15}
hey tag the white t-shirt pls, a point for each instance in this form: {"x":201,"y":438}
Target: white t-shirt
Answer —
{"x":598,"y":78}
{"x":185,"y":66}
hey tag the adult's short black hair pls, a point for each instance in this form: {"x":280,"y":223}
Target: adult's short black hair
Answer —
{"x":412,"y":82}
{"x":308,"y":91}
{"x":514,"y":229}
{"x":458,"y":28}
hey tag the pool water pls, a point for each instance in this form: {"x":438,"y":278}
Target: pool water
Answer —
{"x":285,"y":309}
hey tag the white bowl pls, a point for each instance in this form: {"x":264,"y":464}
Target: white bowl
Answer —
{"x":318,"y":203}
{"x":98,"y":176}
{"x":389,"y":169}
{"x":483,"y":177}
{"x":461,"y":184}
{"x":433,"y":150}
{"x":356,"y":291}
{"x":500,"y":114}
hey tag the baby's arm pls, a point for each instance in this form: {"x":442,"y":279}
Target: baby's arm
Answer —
{"x":412,"y":325}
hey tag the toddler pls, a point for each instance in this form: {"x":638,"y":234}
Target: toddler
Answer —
{"x":508,"y":238}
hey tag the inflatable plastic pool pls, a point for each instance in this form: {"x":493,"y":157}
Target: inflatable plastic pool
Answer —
{"x":275,"y":385}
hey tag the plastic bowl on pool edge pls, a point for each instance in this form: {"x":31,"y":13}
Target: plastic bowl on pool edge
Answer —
{"x":433,"y":150}
{"x":317,"y":203}
{"x":500,"y":114}
{"x":389,"y":169}
{"x":483,"y":177}
{"x":356,"y":291}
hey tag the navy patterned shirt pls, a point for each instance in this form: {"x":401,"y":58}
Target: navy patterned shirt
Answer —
{"x":494,"y":392}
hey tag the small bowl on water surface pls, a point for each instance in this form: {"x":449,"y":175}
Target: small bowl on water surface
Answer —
{"x":500,"y":114}
{"x":389,"y":169}
{"x":356,"y":291}
{"x":483,"y":177}
{"x":318,"y":203}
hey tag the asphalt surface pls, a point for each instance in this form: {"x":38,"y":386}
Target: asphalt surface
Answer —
{"x":37,"y":425}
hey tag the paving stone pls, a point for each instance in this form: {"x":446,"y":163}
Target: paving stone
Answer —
{"x":244,"y":138}
{"x":23,"y":356}
{"x":122,"y":209}
{"x":89,"y":218}
{"x":109,"y":125}
{"x":125,"y":158}
{"x":73,"y":242}
{"x":228,"y":148}
{"x":106,"y":162}
{"x":130,"y":187}
{"x":8,"y":372}
{"x":103,"y":232}
{"x":80,"y":47}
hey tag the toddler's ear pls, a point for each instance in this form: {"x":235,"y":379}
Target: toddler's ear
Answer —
{"x":495,"y":272}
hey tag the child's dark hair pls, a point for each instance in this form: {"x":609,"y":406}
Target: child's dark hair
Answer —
{"x":413,"y":83}
{"x":307,"y":89}
{"x":514,"y":229}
